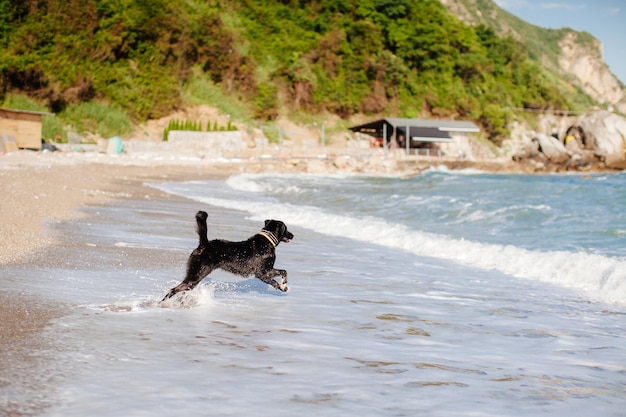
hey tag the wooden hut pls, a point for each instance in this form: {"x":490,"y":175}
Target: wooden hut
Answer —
{"x":22,"y":126}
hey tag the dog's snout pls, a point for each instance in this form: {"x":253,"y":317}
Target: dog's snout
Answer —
{"x":287,"y":237}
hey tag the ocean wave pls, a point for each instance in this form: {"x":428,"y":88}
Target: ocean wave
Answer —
{"x":275,"y":183}
{"x":598,"y":277}
{"x":469,"y":214}
{"x":443,"y":169}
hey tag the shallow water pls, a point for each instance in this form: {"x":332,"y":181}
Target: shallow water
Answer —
{"x":384,"y":316}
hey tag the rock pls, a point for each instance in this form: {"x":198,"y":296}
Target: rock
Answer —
{"x":608,"y":132}
{"x":538,"y":165}
{"x":342,"y":162}
{"x":553,"y":149}
{"x":316,"y":166}
{"x":597,"y":137}
{"x":618,"y":165}
{"x":572,"y":145}
{"x":579,"y":164}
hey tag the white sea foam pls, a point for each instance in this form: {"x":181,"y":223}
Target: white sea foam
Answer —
{"x":203,"y":296}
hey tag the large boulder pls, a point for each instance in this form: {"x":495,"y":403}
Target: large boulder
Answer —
{"x":608,"y":132}
{"x":551,"y":147}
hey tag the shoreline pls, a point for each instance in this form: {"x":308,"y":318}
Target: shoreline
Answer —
{"x":42,"y":189}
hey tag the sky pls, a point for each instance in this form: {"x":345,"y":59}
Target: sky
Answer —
{"x":604,"y":19}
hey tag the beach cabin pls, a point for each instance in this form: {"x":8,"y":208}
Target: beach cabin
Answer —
{"x":415,"y":134}
{"x":20,"y":129}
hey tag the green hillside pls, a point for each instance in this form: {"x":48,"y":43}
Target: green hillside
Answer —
{"x":102,"y":65}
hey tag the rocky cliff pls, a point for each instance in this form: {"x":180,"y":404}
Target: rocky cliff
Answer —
{"x":595,"y":140}
{"x":585,"y":63}
{"x":579,"y":61}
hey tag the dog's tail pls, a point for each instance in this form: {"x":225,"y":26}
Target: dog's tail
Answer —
{"x":202,"y":228}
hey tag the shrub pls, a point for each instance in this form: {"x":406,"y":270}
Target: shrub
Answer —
{"x":92,"y":116}
{"x":193,"y":126}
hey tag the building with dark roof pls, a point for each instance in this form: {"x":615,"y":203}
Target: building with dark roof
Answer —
{"x":421,"y":133}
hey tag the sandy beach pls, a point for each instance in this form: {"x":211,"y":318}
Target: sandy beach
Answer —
{"x":40,"y":190}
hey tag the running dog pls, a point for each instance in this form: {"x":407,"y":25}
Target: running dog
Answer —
{"x":254,"y":256}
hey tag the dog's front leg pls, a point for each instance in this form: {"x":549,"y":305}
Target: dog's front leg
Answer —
{"x":268,"y":278}
{"x":282,"y":285}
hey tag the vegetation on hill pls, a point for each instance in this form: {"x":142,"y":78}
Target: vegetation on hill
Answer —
{"x":543,"y":44}
{"x":408,"y":58}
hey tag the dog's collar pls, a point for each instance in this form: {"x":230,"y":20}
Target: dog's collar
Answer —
{"x":269,"y":236}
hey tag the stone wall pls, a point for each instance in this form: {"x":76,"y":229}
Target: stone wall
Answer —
{"x":210,"y":145}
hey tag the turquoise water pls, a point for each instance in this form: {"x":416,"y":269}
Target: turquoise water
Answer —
{"x":545,"y":213}
{"x":566,"y":230}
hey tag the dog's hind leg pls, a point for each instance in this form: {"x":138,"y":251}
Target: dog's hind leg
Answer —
{"x":196,"y":272}
{"x":183,"y":286}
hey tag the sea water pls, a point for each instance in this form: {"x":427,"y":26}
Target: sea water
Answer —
{"x":445,"y":294}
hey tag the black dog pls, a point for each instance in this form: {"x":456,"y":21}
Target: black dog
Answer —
{"x":254,"y":256}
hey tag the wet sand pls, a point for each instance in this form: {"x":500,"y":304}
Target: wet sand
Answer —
{"x":39,"y":191}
